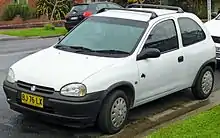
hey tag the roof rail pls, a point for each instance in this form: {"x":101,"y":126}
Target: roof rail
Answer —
{"x":154,"y":15}
{"x":179,"y":10}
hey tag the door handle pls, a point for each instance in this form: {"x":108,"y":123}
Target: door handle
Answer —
{"x":180,"y":59}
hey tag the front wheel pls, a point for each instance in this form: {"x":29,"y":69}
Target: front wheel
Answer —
{"x":204,"y":84}
{"x":114,"y":112}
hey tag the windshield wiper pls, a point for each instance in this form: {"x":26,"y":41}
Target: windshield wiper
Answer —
{"x":77,"y":49}
{"x":60,"y":46}
{"x":73,"y":48}
{"x":113,"y":52}
{"x":81,"y":48}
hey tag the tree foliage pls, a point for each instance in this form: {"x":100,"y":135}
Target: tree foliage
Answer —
{"x":53,"y":9}
{"x":199,"y":7}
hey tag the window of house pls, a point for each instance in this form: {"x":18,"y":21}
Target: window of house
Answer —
{"x":21,"y":1}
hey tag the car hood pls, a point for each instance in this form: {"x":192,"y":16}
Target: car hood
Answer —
{"x":213,"y":27}
{"x":55,"y":68}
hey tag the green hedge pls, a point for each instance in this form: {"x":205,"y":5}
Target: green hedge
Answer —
{"x":13,"y":10}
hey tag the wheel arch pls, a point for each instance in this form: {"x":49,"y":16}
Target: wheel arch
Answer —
{"x":125,"y":86}
{"x":212,"y":63}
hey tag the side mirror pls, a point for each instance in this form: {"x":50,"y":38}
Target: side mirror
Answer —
{"x":149,"y":53}
{"x":60,"y":38}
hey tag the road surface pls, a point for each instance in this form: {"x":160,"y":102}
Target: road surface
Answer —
{"x":15,"y":125}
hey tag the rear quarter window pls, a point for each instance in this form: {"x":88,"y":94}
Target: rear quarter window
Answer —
{"x":191,"y":31}
{"x":82,"y":7}
{"x":96,"y":7}
{"x":110,"y":5}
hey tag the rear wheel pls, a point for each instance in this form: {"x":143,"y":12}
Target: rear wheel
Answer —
{"x":204,"y":84}
{"x":114,"y":112}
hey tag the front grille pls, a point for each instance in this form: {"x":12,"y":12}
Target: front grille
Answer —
{"x":41,"y":89}
{"x":216,"y":39}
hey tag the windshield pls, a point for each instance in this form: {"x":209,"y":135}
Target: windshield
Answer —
{"x":81,"y":7}
{"x":106,"y":34}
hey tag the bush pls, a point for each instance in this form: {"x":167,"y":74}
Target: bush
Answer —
{"x":49,"y":27}
{"x":12,"y":10}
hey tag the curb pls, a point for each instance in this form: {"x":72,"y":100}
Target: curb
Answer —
{"x":135,"y":128}
{"x":182,"y":117}
{"x":26,"y":38}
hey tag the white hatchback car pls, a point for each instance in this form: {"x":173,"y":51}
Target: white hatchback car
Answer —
{"x":213,"y":27}
{"x":112,"y":62}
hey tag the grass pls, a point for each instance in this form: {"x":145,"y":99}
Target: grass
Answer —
{"x":203,"y":125}
{"x":34,"y":32}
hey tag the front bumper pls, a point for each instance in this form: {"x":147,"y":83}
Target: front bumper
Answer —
{"x":77,"y":112}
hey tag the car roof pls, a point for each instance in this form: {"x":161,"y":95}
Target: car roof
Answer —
{"x":137,"y":15}
{"x":157,"y":11}
{"x":140,"y":16}
{"x":144,"y":14}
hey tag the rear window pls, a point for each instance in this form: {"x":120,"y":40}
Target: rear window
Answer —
{"x":82,"y":7}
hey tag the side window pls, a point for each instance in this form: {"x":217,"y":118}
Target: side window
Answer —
{"x":191,"y":32}
{"x":163,"y":37}
{"x":113,"y":6}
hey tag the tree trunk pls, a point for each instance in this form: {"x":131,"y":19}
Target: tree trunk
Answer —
{"x":55,"y":5}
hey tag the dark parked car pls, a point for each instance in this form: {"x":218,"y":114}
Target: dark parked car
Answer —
{"x":81,"y":11}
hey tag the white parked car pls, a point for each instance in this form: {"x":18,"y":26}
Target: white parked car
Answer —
{"x":213,"y":27}
{"x":112,"y":62}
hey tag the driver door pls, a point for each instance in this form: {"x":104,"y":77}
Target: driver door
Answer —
{"x":161,"y":75}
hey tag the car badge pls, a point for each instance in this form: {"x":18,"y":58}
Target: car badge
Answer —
{"x":33,"y":88}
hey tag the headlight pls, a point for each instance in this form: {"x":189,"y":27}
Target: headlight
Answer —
{"x":74,"y":89}
{"x":10,"y":76}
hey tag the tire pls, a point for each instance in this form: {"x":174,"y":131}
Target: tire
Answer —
{"x":104,"y":120}
{"x":198,"y":90}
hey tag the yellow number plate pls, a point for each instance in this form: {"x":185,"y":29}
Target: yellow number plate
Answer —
{"x":32,"y":100}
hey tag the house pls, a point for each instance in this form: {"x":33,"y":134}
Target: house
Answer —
{"x":3,"y":3}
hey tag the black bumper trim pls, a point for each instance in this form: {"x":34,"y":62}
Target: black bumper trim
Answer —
{"x":78,"y":122}
{"x":23,"y":109}
{"x":81,"y":111}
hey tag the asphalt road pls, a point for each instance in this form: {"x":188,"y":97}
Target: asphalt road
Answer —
{"x":15,"y":125}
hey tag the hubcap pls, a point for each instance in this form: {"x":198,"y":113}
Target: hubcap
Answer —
{"x":118,"y":112}
{"x":207,"y":81}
